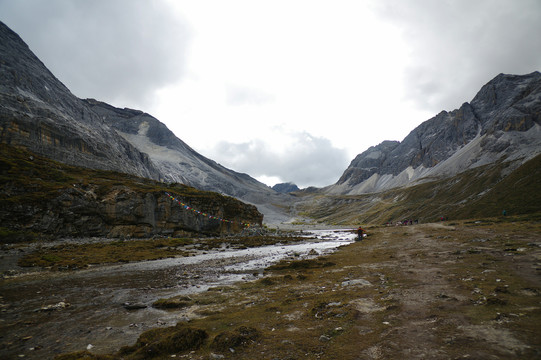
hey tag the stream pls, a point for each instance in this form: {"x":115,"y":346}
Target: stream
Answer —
{"x":47,"y":313}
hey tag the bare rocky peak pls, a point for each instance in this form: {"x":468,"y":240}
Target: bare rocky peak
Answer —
{"x":501,"y":122}
{"x":38,"y":112}
{"x":285,"y":188}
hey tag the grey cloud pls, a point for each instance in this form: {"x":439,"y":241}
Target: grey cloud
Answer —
{"x":311,"y":161}
{"x":458,"y":46}
{"x":117,"y":51}
{"x":241,"y":95}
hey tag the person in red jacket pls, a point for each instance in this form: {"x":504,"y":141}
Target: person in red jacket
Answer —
{"x":360,"y":232}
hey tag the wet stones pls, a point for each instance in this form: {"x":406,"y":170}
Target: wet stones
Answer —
{"x":54,"y":307}
{"x":356,"y":282}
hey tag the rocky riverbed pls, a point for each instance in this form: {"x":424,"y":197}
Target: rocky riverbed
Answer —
{"x":104,"y":307}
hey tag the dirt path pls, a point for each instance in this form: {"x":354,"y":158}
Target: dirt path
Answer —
{"x":462,"y":291}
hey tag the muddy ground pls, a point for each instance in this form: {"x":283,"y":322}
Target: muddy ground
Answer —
{"x":463,"y":290}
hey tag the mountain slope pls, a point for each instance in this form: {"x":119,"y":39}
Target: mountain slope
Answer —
{"x":503,"y":121}
{"x":177,"y":162}
{"x":38,"y":112}
{"x":40,"y":196}
{"x":480,"y":192}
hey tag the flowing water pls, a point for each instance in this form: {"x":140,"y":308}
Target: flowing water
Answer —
{"x":47,"y":313}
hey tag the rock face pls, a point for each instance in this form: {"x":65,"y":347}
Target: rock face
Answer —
{"x":38,"y":112}
{"x":285,"y":188}
{"x":502,"y":122}
{"x":45,"y":197}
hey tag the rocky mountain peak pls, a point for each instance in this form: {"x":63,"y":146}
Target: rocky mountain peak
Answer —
{"x":285,"y":188}
{"x":509,"y":102}
{"x":39,"y":113}
{"x":501,"y":122}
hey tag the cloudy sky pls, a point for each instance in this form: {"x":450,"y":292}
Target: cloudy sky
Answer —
{"x":282,"y":90}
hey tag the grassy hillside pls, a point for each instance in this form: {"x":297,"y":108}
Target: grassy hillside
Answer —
{"x":477,"y":193}
{"x":36,"y":192}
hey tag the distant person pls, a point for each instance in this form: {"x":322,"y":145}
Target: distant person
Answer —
{"x":504,"y":213}
{"x":360,"y":233}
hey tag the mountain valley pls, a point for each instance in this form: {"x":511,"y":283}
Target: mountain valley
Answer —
{"x":120,"y":241}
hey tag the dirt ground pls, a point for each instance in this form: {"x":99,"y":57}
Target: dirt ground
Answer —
{"x":463,"y":290}
{"x":434,"y":291}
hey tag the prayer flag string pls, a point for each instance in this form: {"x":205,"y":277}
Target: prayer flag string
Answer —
{"x":187,"y":207}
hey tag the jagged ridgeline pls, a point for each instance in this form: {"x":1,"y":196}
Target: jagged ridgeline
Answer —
{"x":40,"y":196}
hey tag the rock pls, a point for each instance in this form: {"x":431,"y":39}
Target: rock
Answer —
{"x":59,"y":306}
{"x":285,"y":188}
{"x":356,"y":282}
{"x":134,"y":306}
{"x":324,"y":338}
{"x":38,"y":112}
{"x":106,"y":209}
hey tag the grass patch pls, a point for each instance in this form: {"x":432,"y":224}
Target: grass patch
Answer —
{"x":75,"y":256}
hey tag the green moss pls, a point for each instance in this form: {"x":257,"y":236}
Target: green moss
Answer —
{"x":173,"y":303}
{"x":74,"y":256}
{"x":158,"y":342}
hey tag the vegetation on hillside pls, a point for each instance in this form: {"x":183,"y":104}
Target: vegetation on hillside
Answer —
{"x":31,"y":183}
{"x":479,"y":192}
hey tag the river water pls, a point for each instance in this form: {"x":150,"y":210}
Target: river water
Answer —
{"x":87,"y":307}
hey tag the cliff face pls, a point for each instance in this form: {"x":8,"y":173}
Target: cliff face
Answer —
{"x":38,"y":112}
{"x":503,"y":121}
{"x":43,"y":196}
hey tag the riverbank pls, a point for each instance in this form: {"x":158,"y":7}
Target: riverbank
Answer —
{"x":109,"y":305}
{"x":468,"y":289}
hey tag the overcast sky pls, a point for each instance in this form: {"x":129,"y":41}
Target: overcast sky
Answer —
{"x":282,"y":90}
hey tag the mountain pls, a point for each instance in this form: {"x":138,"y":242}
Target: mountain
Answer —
{"x":501,"y":123}
{"x":178,"y":162}
{"x":43,"y":198}
{"x":39,"y":113}
{"x":285,"y":187}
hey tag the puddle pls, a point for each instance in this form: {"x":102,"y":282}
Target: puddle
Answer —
{"x":95,"y":316}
